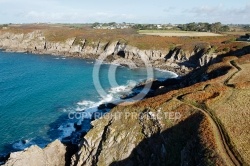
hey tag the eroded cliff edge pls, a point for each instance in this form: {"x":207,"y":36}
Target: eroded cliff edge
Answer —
{"x":175,"y":59}
{"x":202,"y":119}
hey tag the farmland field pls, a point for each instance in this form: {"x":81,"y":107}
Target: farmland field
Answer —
{"x":161,"y":39}
{"x":237,"y":33}
{"x":176,"y":33}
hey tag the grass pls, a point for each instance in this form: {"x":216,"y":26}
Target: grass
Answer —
{"x":234,"y":114}
{"x":176,"y":33}
{"x":229,"y":104}
{"x":192,"y":132}
{"x":236,"y":33}
{"x":60,"y":33}
{"x":161,"y":31}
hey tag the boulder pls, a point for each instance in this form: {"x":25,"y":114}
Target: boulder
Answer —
{"x":53,"y":154}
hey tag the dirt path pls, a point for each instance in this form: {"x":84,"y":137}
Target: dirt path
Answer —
{"x":221,"y":136}
{"x":234,"y":64}
{"x":223,"y":147}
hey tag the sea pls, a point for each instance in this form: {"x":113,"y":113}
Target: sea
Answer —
{"x":37,"y":93}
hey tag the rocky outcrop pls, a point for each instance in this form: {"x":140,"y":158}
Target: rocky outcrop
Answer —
{"x":53,"y":154}
{"x":180,"y":124}
{"x":178,"y":127}
{"x":177,"y":59}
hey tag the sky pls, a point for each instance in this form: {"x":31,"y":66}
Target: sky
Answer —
{"x":131,"y":11}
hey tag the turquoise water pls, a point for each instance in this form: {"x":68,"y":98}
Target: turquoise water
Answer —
{"x":38,"y":91}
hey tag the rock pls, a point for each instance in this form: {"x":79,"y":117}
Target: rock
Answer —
{"x":111,"y":48}
{"x":53,"y":154}
{"x":125,"y":62}
{"x":102,"y":106}
{"x":110,"y":105}
{"x":77,"y":127}
{"x":106,"y":106}
{"x":115,"y":52}
{"x":144,"y":133}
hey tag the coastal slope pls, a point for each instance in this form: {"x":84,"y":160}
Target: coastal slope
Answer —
{"x":180,"y":58}
{"x":212,"y":128}
{"x":201,"y":118}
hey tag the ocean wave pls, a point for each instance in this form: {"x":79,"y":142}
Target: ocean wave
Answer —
{"x":170,"y":73}
{"x":88,"y":108}
{"x":67,"y":129}
{"x":22,"y":144}
{"x":60,"y":58}
{"x":86,"y":103}
{"x":123,"y":88}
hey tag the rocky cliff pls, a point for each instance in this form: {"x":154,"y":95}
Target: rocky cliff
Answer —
{"x":176,"y":59}
{"x":200,"y":119}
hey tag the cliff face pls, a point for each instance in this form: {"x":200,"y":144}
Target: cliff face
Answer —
{"x":176,"y":59}
{"x":204,"y":121}
{"x":201,"y":119}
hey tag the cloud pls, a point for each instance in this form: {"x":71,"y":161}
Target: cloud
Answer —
{"x":208,"y":10}
{"x":220,"y":13}
{"x":169,"y":9}
{"x":205,"y":10}
{"x":27,"y":11}
{"x":108,"y":17}
{"x":244,"y":10}
{"x":75,"y":17}
{"x":50,"y":16}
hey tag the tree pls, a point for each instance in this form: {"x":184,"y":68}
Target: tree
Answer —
{"x":112,"y":23}
{"x":95,"y":24}
{"x":225,"y":28}
{"x":215,"y":27}
{"x":192,"y":26}
{"x":138,"y":26}
{"x":204,"y":27}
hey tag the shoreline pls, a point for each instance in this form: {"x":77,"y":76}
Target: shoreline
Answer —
{"x":172,"y":70}
{"x":179,"y":72}
{"x":208,"y":96}
{"x":102,"y":107}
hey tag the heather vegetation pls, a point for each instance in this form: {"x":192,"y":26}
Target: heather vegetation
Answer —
{"x":213,"y":129}
{"x":130,"y":36}
{"x":212,"y":99}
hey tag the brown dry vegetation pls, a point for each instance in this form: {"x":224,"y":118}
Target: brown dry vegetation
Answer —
{"x":225,"y":95}
{"x":130,"y":36}
{"x":242,"y":32}
{"x":191,"y":135}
